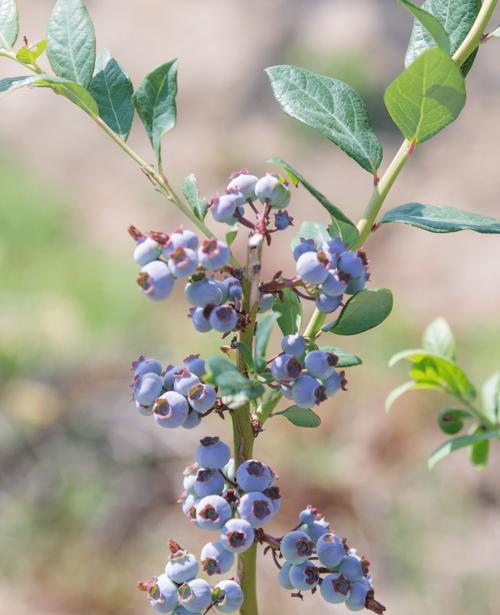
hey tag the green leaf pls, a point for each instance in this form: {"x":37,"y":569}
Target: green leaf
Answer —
{"x":431,"y":24}
{"x":301,"y":417}
{"x":340,"y":223}
{"x":29,"y":55}
{"x":9,"y":23}
{"x":234,"y":388}
{"x":457,"y":443}
{"x":72,"y":91}
{"x":439,"y":339}
{"x":112,"y":89}
{"x":456,"y":16}
{"x":232,"y":234}
{"x":155,"y":101}
{"x":399,"y":391}
{"x":480,"y":451}
{"x":14,"y":83}
{"x":491,"y":397}
{"x":427,"y":96}
{"x":441,"y":219}
{"x":290,"y":312}
{"x":71,"y":46}
{"x":451,"y":420}
{"x":246,"y":353}
{"x":198,"y":205}
{"x":262,"y":335}
{"x":332,"y":107}
{"x":311,"y":230}
{"x":346,"y":358}
{"x":364,"y":310}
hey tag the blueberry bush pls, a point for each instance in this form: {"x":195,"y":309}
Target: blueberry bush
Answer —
{"x":227,"y":491}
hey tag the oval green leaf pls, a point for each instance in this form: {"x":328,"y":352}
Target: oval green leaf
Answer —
{"x":332,"y":107}
{"x":301,"y":417}
{"x":9,"y":23}
{"x":74,"y":92}
{"x":364,"y":310}
{"x":430,"y":23}
{"x":457,"y":443}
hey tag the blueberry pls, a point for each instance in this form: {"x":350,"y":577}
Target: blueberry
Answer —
{"x":212,"y":453}
{"x":243,"y":182}
{"x":282,"y":220}
{"x":270,"y":189}
{"x":334,"y":248}
{"x":357,"y":284}
{"x":308,"y":515}
{"x":304,"y":576}
{"x":273,"y":493}
{"x":305,"y":245}
{"x":233,"y":288}
{"x":183,"y":262}
{"x":224,"y":207}
{"x":212,"y":512}
{"x":184,"y":381}
{"x":215,"y":559}
{"x":357,"y":598}
{"x":169,"y":375}
{"x":208,"y":482}
{"x":146,"y":250}
{"x":181,"y":566}
{"x":203,"y":292}
{"x":214,"y":254}
{"x":147,"y":388}
{"x":200,"y":319}
{"x":334,"y":382}
{"x":333,"y":285}
{"x":156,"y":280}
{"x":189,"y":507}
{"x":308,"y":392}
{"x":163,"y":594}
{"x":294,"y":344}
{"x":195,"y":364}
{"x":327,"y":304}
{"x":321,"y":364}
{"x":146,"y":366}
{"x":195,"y":596}
{"x":335,"y":588}
{"x":266,"y":302}
{"x":170,"y":410}
{"x":316,"y":529}
{"x":296,"y":547}
{"x":331,"y":550}
{"x":202,"y":397}
{"x":286,"y":368}
{"x":189,"y":478}
{"x":230,"y":597}
{"x":284,"y":576}
{"x":183,"y":238}
{"x":193,"y":420}
{"x":312,"y":267}
{"x":351,"y":264}
{"x":352,"y":567}
{"x":254,"y":475}
{"x":223,"y":318}
{"x":256,"y":508}
{"x":237,"y":535}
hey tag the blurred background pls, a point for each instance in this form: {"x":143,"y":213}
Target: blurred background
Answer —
{"x":88,"y":488}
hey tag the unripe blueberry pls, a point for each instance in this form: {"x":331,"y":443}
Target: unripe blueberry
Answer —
{"x":312,"y":267}
{"x":308,"y":392}
{"x":333,"y":285}
{"x":184,"y":381}
{"x":183,"y":262}
{"x":223,"y":318}
{"x":146,"y":366}
{"x":321,"y":364}
{"x":213,"y":254}
{"x":212,"y":512}
{"x":294,"y":344}
{"x":215,"y":559}
{"x":286,"y":368}
{"x":163,"y":594}
{"x":296,"y":547}
{"x":284,"y":576}
{"x":181,"y":566}
{"x":351,"y":264}
{"x":147,"y":388}
{"x":146,"y":250}
{"x":170,"y":410}
{"x":195,"y":364}
{"x":229,"y":597}
{"x":256,"y":508}
{"x":334,"y":382}
{"x":224,"y":207}
{"x":156,"y":280}
{"x":203,"y":292}
{"x":243,"y":182}
{"x":305,"y":245}
{"x":270,"y":189}
{"x":233,"y":288}
{"x":335,"y":588}
{"x":308,"y":515}
{"x":202,"y":397}
{"x":282,"y":220}
{"x":237,"y":535}
{"x":352,"y":567}
{"x":327,"y":304}
{"x":208,"y":482}
{"x":184,"y":238}
{"x":316,"y":529}
{"x":334,"y":247}
{"x":266,"y":302}
{"x":212,"y":453}
{"x":304,"y":576}
{"x":195,"y":596}
{"x":357,"y":598}
{"x":331,"y":550}
{"x":169,"y":375}
{"x":201,"y":319}
{"x":193,"y":420}
{"x":254,"y":475}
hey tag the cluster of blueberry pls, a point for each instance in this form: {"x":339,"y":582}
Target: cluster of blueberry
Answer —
{"x":179,"y":591}
{"x":243,"y":188}
{"x":313,"y":550}
{"x":306,"y":377}
{"x":331,"y":269}
{"x":176,"y":396}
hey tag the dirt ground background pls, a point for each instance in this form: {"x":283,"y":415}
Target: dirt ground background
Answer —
{"x":87,"y":487}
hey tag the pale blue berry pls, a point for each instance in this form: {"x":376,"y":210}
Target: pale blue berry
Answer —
{"x":351,"y":264}
{"x":327,"y":304}
{"x":156,"y":280}
{"x":212,"y":512}
{"x":270,"y":189}
{"x":335,"y":588}
{"x":215,"y":559}
{"x":321,"y":364}
{"x":284,"y":576}
{"x":182,"y":566}
{"x":334,"y":383}
{"x":308,"y":515}
{"x":203,"y":292}
{"x":195,"y":596}
{"x":243,"y":182}
{"x":202,"y":397}
{"x":183,"y":262}
{"x":333,"y":285}
{"x":352,"y":567}
{"x":193,"y":420}
{"x":212,"y":453}
{"x":331,"y":550}
{"x":282,"y":220}
{"x":189,"y":507}
{"x":223,"y":318}
{"x":305,"y":245}
{"x":170,"y":410}
{"x":146,"y":250}
{"x":296,"y":547}
{"x":294,"y":344}
{"x":145,"y":366}
{"x":357,"y":284}
{"x":253,"y":475}
{"x":195,"y":364}
{"x":256,"y":508}
{"x":163,"y":595}
{"x":237,"y":535}
{"x":184,"y":381}
{"x":233,"y":288}
{"x":230,"y":597}
{"x":308,"y":392}
{"x":224,"y":207}
{"x":201,"y":319}
{"x":286,"y":368}
{"x":147,"y":388}
{"x":312,"y":267}
{"x":304,"y":576}
{"x":214,"y":254}
{"x":208,"y":482}
{"x":357,"y":598}
{"x":184,"y":238}
{"x":316,"y":529}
